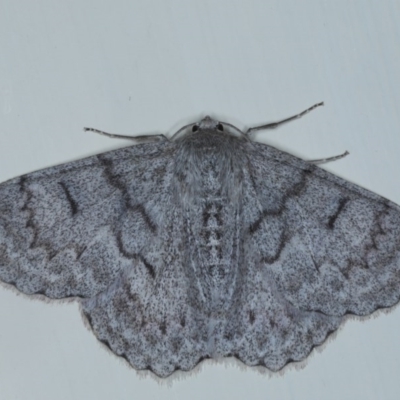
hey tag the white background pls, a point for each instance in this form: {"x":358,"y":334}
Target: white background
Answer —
{"x":150,"y":66}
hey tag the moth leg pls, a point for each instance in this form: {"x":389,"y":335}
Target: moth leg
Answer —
{"x":329,"y":159}
{"x":139,"y":138}
{"x":274,"y":125}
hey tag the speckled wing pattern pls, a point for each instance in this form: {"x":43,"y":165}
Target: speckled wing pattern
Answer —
{"x":207,"y":246}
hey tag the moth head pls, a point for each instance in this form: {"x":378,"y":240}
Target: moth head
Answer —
{"x":207,"y":123}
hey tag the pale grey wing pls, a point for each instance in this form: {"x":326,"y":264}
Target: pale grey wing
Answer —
{"x":317,"y":247}
{"x":150,"y":314}
{"x":61,"y":228}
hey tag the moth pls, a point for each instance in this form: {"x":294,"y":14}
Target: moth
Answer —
{"x":204,"y":245}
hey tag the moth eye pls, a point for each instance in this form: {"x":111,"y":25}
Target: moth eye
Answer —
{"x":195,"y":128}
{"x":220,"y":127}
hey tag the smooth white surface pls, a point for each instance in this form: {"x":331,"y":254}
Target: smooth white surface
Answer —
{"x":153,"y":65}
